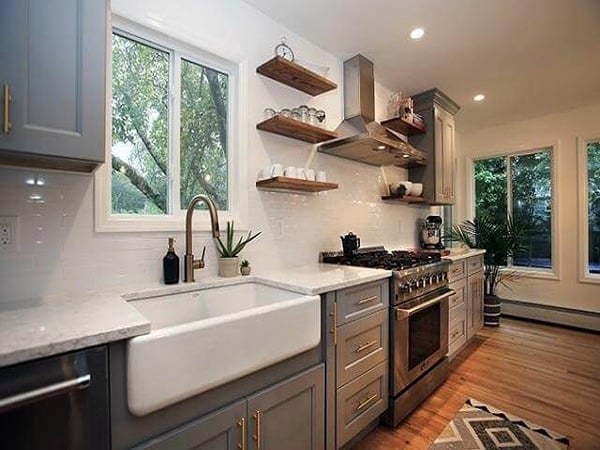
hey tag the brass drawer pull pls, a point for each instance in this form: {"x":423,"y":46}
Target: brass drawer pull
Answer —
{"x":257,"y":416}
{"x":333,"y":330}
{"x":456,"y":333}
{"x":365,"y":346}
{"x":6,"y":125}
{"x":363,"y":404}
{"x":242,"y":425}
{"x":367,"y":300}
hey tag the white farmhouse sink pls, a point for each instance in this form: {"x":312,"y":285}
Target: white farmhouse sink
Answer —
{"x":206,"y":338}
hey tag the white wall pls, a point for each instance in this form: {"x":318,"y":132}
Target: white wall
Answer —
{"x":60,"y":252}
{"x":560,"y":130}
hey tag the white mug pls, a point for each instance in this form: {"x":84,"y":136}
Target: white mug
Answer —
{"x":301,"y":173}
{"x":290,"y":172}
{"x":276,"y":170}
{"x":322,"y":176}
{"x":264,"y":173}
{"x":310,"y":175}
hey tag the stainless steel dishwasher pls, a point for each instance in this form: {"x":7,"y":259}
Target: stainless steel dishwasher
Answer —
{"x":59,"y":402}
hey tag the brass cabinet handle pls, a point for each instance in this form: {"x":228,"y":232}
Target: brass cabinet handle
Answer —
{"x":365,"y":346}
{"x":257,"y":416}
{"x":362,"y":404}
{"x":367,"y":300}
{"x":242,"y":425}
{"x":456,"y":333}
{"x":6,"y":125}
{"x":334,"y":327}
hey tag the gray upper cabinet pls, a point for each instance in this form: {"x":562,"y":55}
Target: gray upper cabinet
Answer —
{"x":438,"y":143}
{"x":53,"y":66}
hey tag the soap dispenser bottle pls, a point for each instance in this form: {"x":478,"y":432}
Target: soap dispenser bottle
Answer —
{"x":171,"y":265}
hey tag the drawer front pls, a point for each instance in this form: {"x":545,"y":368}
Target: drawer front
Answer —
{"x":460,"y":294}
{"x":457,"y":271}
{"x":457,"y":331}
{"x":361,"y":345}
{"x":356,"y":302}
{"x":474,"y":264}
{"x":360,"y":402}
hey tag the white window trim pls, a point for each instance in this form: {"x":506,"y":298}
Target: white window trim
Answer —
{"x":582,"y":174}
{"x":227,"y":61}
{"x":534,"y":272}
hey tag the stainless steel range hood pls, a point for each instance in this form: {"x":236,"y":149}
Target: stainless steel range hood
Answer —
{"x":361,"y":138}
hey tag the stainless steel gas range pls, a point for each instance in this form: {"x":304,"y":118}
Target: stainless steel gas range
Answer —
{"x":418,"y":322}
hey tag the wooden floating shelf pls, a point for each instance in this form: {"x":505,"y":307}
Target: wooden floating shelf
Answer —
{"x":402,"y":126}
{"x":296,"y":76}
{"x":294,"y":184}
{"x":286,"y":126}
{"x":406,"y":199}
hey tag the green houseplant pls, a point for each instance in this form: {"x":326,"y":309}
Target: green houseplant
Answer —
{"x":229,"y":250}
{"x":502,"y":240}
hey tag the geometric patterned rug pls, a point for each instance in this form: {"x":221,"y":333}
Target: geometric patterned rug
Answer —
{"x":479,"y":426}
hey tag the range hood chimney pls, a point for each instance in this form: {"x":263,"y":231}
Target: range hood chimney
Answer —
{"x":361,"y":138}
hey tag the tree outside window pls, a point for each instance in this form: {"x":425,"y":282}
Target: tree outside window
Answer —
{"x":146,"y":153}
{"x":593,"y":176}
{"x":520,"y":185}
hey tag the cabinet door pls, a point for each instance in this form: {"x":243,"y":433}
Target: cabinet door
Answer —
{"x":222,"y":430}
{"x":444,"y":156}
{"x":289,"y":415}
{"x":53,"y":60}
{"x":475,"y":304}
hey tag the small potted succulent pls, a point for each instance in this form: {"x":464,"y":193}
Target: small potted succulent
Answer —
{"x":245,"y":267}
{"x":229,"y":250}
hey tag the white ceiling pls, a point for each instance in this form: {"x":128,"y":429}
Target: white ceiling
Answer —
{"x":529,"y":57}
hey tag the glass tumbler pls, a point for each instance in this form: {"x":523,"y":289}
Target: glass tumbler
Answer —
{"x":312,"y":116}
{"x":285,"y":112}
{"x":296,"y":114}
{"x":303,"y":113}
{"x":270,"y":113}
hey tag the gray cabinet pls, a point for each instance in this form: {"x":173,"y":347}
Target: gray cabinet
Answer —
{"x":222,"y":430}
{"x":288,"y":415}
{"x":53,"y":68}
{"x":466,"y":304}
{"x":356,"y":322}
{"x":438,"y":176}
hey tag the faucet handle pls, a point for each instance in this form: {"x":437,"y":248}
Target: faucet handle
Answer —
{"x":199,"y":263}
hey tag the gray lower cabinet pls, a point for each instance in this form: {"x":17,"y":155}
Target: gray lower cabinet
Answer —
{"x":465,"y":317}
{"x":53,"y":83}
{"x":288,"y":415}
{"x":356,"y":322}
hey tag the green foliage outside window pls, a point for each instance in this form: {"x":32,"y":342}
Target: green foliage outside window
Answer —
{"x":142,"y":138}
{"x":593,"y":157}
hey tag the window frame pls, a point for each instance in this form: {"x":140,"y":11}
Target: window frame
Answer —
{"x":227,"y":62}
{"x":582,"y":174}
{"x":554,"y":273}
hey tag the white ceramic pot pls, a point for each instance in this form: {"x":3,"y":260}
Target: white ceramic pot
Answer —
{"x":228,"y":267}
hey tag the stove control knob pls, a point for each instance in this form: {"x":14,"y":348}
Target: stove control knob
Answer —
{"x":405,"y":288}
{"x":428,"y":280}
{"x":421,"y":282}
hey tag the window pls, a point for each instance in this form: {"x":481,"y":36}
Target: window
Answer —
{"x":172,"y":133}
{"x":519,"y":185}
{"x":592,"y":222}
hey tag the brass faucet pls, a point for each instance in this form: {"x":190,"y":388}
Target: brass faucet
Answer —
{"x":189,"y":262}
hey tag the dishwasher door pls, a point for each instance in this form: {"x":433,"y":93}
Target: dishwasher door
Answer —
{"x":59,"y":402}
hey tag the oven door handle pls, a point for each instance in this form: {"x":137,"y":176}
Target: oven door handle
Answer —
{"x":403,"y":313}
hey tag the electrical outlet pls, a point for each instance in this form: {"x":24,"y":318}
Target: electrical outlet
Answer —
{"x":8,"y":234}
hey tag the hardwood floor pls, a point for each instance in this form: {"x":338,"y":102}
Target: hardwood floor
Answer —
{"x":548,"y":375}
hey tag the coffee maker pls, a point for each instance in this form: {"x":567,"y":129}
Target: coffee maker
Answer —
{"x":431,"y":233}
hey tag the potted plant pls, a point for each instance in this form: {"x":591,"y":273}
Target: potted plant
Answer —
{"x":229,"y":250}
{"x":501,"y":240}
{"x":245,"y":267}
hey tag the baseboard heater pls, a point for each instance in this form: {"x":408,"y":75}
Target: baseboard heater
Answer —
{"x":586,"y":320}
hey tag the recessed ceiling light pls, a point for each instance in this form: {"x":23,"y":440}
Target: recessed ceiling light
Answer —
{"x":381,"y":147}
{"x":417,"y":33}
{"x":479,"y":97}
{"x":405,"y":155}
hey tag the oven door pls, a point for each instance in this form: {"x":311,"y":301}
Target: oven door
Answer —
{"x":419,"y":337}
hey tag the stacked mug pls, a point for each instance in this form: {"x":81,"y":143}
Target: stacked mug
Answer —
{"x":403,"y":188}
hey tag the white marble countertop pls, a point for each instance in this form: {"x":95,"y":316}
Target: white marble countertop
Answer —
{"x":43,"y":327}
{"x":459,"y":254}
{"x":49,"y":326}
